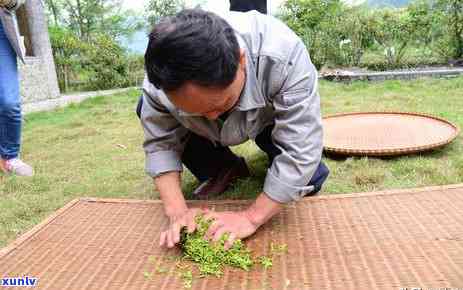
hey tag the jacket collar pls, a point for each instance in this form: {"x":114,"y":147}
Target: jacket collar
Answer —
{"x":251,"y":96}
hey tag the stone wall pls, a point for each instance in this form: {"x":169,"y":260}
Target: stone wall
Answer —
{"x":35,"y":81}
{"x":38,"y":74}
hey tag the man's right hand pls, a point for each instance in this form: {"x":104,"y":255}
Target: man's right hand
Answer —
{"x":177,"y":221}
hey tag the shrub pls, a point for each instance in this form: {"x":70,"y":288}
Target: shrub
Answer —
{"x":315,"y":22}
{"x":96,"y":65}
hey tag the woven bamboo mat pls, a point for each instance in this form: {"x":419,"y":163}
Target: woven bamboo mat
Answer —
{"x":382,"y":240}
{"x":385,"y":133}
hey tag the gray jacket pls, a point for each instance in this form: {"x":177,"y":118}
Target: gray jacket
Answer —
{"x":10,"y":26}
{"x":281,"y":88}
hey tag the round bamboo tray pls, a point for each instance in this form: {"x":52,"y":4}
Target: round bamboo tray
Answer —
{"x":386,"y":133}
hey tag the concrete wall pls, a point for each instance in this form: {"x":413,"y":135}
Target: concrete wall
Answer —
{"x":38,"y":76}
{"x":35,"y":82}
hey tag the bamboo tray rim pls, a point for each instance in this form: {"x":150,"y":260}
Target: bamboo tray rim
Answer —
{"x":391,"y":152}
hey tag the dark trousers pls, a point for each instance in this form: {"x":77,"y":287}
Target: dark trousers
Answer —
{"x":248,"y":5}
{"x":201,"y":156}
{"x":204,"y":159}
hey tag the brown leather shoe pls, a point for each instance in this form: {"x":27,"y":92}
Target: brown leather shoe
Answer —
{"x":216,"y":185}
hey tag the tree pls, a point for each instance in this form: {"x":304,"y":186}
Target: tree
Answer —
{"x":439,"y":25}
{"x":54,"y":9}
{"x":88,"y":17}
{"x":66,"y":51}
{"x":84,"y":36}
{"x":157,"y":9}
{"x":451,"y":15}
{"x":107,"y":62}
{"x":315,"y":22}
{"x":309,"y":14}
{"x":357,"y":34}
{"x":423,"y":18}
{"x":92,"y":17}
{"x":393,"y":30}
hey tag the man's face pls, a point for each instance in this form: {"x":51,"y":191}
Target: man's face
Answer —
{"x":210,"y":102}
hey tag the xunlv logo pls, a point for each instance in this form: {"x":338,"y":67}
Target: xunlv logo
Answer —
{"x":18,"y":281}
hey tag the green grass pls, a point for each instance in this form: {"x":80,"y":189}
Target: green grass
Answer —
{"x":95,"y":149}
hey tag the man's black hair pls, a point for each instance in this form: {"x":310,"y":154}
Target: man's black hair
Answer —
{"x":195,"y":46}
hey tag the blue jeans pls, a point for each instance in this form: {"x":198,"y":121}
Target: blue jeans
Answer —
{"x":10,"y":102}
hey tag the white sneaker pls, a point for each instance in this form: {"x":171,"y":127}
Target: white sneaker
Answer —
{"x":16,"y":166}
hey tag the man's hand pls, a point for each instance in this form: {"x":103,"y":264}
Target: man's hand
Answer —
{"x":242,"y":224}
{"x":237,"y":224}
{"x":186,"y":218}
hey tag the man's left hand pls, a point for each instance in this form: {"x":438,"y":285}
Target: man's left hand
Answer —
{"x":237,"y":224}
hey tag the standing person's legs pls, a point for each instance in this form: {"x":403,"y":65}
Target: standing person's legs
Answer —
{"x":248,"y":5}
{"x":264,"y":142}
{"x":10,"y":111}
{"x":10,"y":104}
{"x":204,"y":159}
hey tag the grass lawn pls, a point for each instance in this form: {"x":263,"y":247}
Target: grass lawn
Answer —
{"x":94,"y":149}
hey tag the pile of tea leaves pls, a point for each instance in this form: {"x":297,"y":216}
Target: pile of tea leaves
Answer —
{"x":211,"y":257}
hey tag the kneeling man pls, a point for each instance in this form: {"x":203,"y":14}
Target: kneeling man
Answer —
{"x":217,"y":81}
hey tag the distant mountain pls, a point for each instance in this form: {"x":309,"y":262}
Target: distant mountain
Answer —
{"x":387,"y":3}
{"x":137,"y":43}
